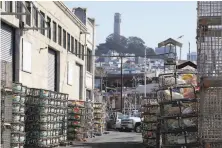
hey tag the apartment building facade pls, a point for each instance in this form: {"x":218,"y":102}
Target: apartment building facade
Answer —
{"x":45,"y":45}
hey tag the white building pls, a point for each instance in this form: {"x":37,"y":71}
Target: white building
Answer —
{"x":44,"y":48}
{"x":192,"y":56}
{"x":164,"y":50}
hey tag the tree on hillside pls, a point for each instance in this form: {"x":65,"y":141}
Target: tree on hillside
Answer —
{"x":123,"y":40}
{"x":132,"y":44}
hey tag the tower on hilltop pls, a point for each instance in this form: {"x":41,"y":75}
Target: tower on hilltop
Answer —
{"x":117,"y":21}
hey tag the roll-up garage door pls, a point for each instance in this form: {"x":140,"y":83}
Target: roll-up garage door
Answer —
{"x":6,"y":54}
{"x":51,"y":70}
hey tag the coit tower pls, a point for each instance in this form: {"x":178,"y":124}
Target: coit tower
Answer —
{"x":117,"y":21}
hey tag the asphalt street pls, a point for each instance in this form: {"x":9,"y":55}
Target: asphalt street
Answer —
{"x":113,"y":140}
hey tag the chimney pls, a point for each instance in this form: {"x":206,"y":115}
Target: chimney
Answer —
{"x":80,"y":13}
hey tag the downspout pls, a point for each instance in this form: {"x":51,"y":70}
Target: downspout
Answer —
{"x":93,"y":62}
{"x":85,"y":58}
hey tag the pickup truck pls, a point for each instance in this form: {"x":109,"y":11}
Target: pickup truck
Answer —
{"x":131,"y":123}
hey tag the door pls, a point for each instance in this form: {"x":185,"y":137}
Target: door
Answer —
{"x":6,"y":55}
{"x":51,"y":70}
{"x":78,"y":81}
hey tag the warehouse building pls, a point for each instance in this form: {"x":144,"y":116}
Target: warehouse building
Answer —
{"x":45,"y":45}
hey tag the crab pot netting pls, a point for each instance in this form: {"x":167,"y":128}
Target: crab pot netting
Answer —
{"x":150,"y":126}
{"x":178,"y":110}
{"x":209,"y":38}
{"x":211,"y":114}
{"x":212,"y":144}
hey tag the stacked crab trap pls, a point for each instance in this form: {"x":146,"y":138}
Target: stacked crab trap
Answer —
{"x":13,"y":113}
{"x":150,"y":126}
{"x":18,"y":114}
{"x":76,"y":120}
{"x":46,"y":115}
{"x":89,"y":119}
{"x":98,"y":118}
{"x":210,"y":71}
{"x":178,"y":110}
{"x":104,"y":117}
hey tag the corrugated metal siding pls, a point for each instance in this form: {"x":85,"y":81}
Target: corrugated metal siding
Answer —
{"x":51,"y":70}
{"x":6,"y":54}
{"x":6,"y":43}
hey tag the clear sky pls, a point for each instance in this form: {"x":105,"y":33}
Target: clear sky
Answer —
{"x":152,"y":21}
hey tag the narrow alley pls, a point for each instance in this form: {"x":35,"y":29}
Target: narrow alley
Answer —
{"x":113,"y":140}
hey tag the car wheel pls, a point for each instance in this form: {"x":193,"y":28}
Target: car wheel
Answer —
{"x":120,"y":130}
{"x":138,"y":129}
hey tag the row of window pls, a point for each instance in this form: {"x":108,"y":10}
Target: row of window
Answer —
{"x":63,"y":38}
{"x":69,"y":43}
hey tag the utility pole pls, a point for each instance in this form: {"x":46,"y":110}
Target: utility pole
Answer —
{"x":145,"y":74}
{"x":121,"y":103}
{"x":135,"y":99}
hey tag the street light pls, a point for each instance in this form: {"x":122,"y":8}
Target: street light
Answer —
{"x":180,"y":37}
{"x":145,"y":74}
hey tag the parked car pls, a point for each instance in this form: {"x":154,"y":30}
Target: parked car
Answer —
{"x":114,"y":121}
{"x":119,"y":118}
{"x":131,"y":124}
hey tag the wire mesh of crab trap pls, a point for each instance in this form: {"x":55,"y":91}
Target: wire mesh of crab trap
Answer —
{"x":166,"y":80}
{"x":210,"y":114}
{"x":212,"y":144}
{"x":209,"y":38}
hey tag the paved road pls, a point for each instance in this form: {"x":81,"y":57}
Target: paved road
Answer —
{"x":113,"y":140}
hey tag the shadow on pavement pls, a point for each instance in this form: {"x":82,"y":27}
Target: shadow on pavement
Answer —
{"x":110,"y":145}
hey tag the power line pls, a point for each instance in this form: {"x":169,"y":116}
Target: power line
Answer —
{"x":123,"y":55}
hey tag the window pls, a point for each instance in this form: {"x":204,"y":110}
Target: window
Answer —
{"x":76,"y":47}
{"x":64,"y":39}
{"x":36,"y":17}
{"x":8,"y":6}
{"x":18,"y":9}
{"x":60,"y":35}
{"x":0,"y":4}
{"x":54,"y":31}
{"x":28,"y":17}
{"x":42,"y":25}
{"x":88,"y":60}
{"x":49,"y":26}
{"x":83,"y":51}
{"x":88,"y":95}
{"x":68,"y":42}
{"x":72,"y":44}
{"x":79,"y":52}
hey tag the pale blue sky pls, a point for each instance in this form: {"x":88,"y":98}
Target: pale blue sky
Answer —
{"x":151,"y":21}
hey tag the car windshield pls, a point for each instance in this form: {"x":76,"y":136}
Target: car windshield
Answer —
{"x":123,"y":116}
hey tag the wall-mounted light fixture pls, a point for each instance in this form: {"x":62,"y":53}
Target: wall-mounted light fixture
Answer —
{"x":40,"y":49}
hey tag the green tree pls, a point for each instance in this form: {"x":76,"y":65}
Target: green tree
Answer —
{"x":131,"y":45}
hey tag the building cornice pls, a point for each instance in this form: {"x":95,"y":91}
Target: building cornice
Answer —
{"x":72,"y":16}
